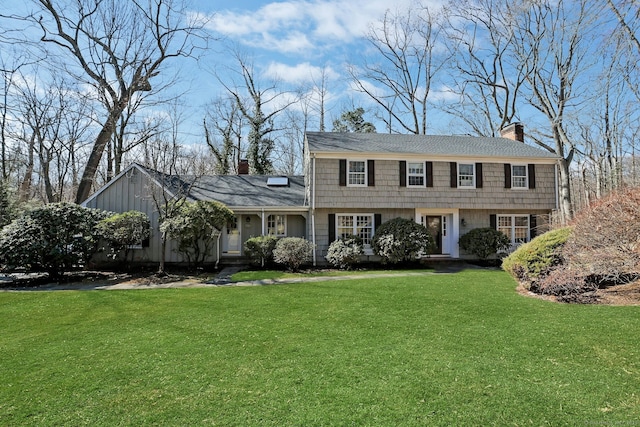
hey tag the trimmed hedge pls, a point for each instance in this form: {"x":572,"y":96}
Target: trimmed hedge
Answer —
{"x":537,"y":258}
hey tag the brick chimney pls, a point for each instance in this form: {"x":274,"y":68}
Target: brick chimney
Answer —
{"x":243,"y":167}
{"x":513,"y":131}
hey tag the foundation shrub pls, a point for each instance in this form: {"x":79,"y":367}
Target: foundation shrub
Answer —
{"x":292,"y":252}
{"x":345,"y":253}
{"x":534,"y":260}
{"x":484,"y":242}
{"x":401,"y":239}
{"x":260,"y":249}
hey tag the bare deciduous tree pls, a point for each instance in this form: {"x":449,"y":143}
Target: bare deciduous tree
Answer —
{"x":400,"y":77}
{"x":552,"y":39}
{"x":260,"y":105}
{"x":487,"y":78}
{"x":120,"y":47}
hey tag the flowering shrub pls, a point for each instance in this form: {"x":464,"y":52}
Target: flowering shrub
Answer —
{"x":293,"y":252}
{"x":344,"y":253}
{"x":400,"y":240}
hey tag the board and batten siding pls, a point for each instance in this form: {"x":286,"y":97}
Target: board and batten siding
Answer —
{"x":132,"y":191}
{"x":388,"y":193}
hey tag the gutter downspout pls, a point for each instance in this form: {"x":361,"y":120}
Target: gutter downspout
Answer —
{"x":218,"y":251}
{"x":556,"y":186}
{"x":313,"y":208}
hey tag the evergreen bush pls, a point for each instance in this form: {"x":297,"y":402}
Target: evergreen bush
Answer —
{"x":401,"y":239}
{"x":484,"y":242}
{"x":260,"y":249}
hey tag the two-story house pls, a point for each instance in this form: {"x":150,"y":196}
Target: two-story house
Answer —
{"x":451,"y":184}
{"x":353,"y":183}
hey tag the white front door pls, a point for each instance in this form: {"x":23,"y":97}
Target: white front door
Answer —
{"x":231,"y":241}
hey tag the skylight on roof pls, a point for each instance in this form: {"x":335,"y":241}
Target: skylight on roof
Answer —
{"x":278,"y":181}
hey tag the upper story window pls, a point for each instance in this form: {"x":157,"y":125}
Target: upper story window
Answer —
{"x":276,"y":225}
{"x":466,"y":175}
{"x":415,"y":174}
{"x":519,"y":176}
{"x":356,"y":173}
{"x":516,"y":227}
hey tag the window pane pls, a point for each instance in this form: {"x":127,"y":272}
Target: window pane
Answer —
{"x":356,"y":166}
{"x":465,"y":175}
{"x":519,"y":176}
{"x":416,"y":168}
{"x":357,"y":173}
{"x":504,"y":221}
{"x":522,"y":221}
{"x":465,"y":169}
{"x":416,"y":180}
{"x":357,"y":225}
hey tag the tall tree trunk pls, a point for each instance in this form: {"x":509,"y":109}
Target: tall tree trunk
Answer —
{"x":104,"y":137}
{"x":565,"y":191}
{"x":25,"y":185}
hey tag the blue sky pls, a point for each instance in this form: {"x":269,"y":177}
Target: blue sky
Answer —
{"x":293,"y":41}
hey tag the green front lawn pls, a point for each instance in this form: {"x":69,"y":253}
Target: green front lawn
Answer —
{"x":450,"y":349}
{"x":251,"y":275}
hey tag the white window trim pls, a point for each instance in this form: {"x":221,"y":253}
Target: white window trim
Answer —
{"x":526,"y":174}
{"x":367,"y":247}
{"x":513,"y":227}
{"x":423,"y":175}
{"x":365,"y":173}
{"x":473,"y":185}
{"x":276,"y":225}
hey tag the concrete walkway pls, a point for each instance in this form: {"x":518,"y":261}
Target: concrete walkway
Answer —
{"x":223,"y":278}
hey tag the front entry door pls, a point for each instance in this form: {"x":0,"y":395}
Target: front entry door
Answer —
{"x":434,"y":225}
{"x":231,"y":239}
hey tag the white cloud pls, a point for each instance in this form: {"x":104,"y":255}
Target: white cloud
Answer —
{"x":299,"y":73}
{"x":311,"y":23}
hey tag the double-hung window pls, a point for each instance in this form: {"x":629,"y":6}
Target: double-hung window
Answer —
{"x":360,"y":225}
{"x":357,"y":173}
{"x":415,"y":174}
{"x":466,"y":175}
{"x":515,"y":227}
{"x":519,"y":176}
{"x":276,"y":225}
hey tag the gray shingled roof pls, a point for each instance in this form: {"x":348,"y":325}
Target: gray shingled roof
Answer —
{"x":433,"y":145}
{"x":236,"y":190}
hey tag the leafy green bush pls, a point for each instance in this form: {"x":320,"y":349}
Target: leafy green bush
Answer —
{"x":401,"y":239}
{"x":123,"y":230}
{"x":292,"y":252}
{"x":54,"y":238}
{"x":260,"y":249}
{"x":196,"y":226}
{"x":344,"y":253}
{"x":484,"y":242}
{"x":537,"y":258}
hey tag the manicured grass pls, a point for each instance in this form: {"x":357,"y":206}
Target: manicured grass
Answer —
{"x":450,"y":349}
{"x":251,"y":275}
